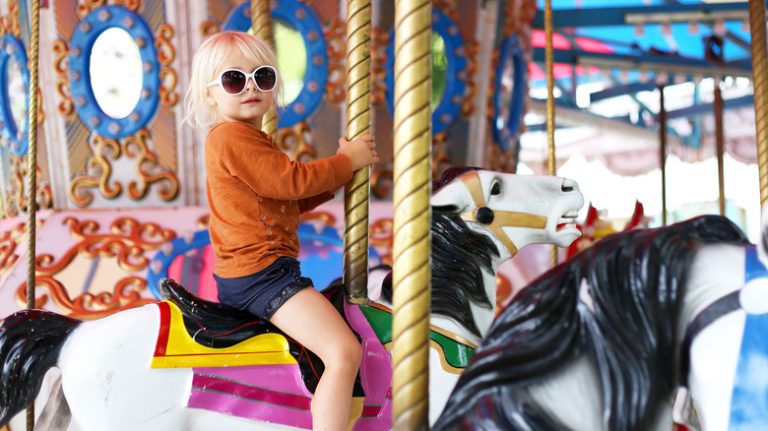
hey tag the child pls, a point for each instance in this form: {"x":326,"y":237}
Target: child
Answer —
{"x":255,"y":194}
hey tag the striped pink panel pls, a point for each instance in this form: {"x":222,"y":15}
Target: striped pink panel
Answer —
{"x":276,"y":393}
{"x":268,"y":393}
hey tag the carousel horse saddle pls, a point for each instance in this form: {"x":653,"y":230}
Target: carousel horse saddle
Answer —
{"x":199,"y":333}
{"x":213,"y":324}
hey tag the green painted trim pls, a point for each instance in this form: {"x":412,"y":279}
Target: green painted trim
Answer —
{"x":456,"y":354}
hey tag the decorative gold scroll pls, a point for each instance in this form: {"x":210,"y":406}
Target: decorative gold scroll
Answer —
{"x":60,"y":66}
{"x":9,"y":24}
{"x":166,"y":54}
{"x":128,"y":241}
{"x":335,"y":37}
{"x":99,"y":175}
{"x":295,"y":141}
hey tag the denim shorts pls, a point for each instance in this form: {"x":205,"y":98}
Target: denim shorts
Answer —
{"x":264,"y":292}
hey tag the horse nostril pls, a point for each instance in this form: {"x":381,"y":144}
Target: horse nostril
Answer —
{"x":566,"y":189}
{"x":485,"y":215}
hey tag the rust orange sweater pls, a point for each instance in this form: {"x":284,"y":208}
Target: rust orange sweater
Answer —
{"x":256,"y":193}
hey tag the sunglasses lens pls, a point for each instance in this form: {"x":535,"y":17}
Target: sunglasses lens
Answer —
{"x":265,"y":78}
{"x":233,"y":81}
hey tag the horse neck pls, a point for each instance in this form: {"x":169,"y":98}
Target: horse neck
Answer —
{"x":716,"y":271}
{"x":482,"y":316}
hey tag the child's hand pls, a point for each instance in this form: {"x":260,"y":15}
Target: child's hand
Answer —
{"x":361,"y":152}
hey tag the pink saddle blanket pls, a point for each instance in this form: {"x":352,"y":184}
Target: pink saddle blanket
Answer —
{"x":277,"y":394}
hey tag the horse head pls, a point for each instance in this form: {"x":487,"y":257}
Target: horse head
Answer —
{"x":513,"y":210}
{"x":480,"y":219}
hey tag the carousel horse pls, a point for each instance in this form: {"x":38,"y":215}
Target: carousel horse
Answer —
{"x":603,"y":341}
{"x":188,"y":364}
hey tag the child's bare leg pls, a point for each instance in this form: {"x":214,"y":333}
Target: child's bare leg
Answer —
{"x":312,"y":321}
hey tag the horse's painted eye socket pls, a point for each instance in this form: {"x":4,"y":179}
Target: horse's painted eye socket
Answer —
{"x":495,"y":189}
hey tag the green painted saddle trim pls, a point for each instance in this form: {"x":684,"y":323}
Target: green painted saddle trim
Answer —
{"x":456,"y":353}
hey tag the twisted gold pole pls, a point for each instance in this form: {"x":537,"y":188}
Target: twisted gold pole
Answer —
{"x":760,"y":85}
{"x":34,"y":55}
{"x":358,"y":119}
{"x":261,"y":23}
{"x":411,"y":252}
{"x":717,"y":106}
{"x":549,"y":57}
{"x":663,"y":154}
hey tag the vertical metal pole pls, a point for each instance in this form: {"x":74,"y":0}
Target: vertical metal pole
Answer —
{"x":663,"y":154}
{"x":760,"y":84}
{"x":411,"y":274}
{"x":550,"y":107}
{"x":33,"y":65}
{"x":261,"y":22}
{"x":358,"y":118}
{"x":717,"y":106}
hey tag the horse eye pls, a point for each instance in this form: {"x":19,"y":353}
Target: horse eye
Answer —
{"x":495,"y":189}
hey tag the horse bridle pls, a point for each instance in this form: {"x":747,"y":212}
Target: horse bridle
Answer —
{"x":496,"y":220}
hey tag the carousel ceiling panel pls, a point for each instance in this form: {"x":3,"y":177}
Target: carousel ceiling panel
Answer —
{"x":611,"y":58}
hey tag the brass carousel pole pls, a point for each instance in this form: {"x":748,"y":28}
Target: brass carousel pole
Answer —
{"x":663,"y":154}
{"x":34,"y":51}
{"x":412,"y":214}
{"x":717,"y":106}
{"x":760,"y":85}
{"x":358,"y":118}
{"x":549,"y":52}
{"x":261,"y":23}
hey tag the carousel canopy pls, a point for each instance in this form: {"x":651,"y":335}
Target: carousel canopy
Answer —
{"x":611,"y":59}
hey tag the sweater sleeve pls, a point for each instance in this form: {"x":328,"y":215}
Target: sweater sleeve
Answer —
{"x":250,"y":155}
{"x":310,"y":203}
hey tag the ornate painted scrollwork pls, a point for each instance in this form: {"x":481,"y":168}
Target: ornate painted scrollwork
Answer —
{"x":381,"y":234}
{"x":99,"y":175}
{"x":208,"y":28}
{"x":468,"y":105}
{"x":379,"y":43}
{"x":324,"y":218}
{"x":9,"y":24}
{"x":204,"y":221}
{"x":16,"y":199}
{"x":381,"y":182}
{"x":128,"y":4}
{"x":441,"y":160}
{"x":84,"y":7}
{"x":295,"y":141}
{"x":60,"y":61}
{"x":166,"y":54}
{"x":127,"y":242}
{"x":146,"y":160}
{"x":9,"y":240}
{"x":335,"y":36}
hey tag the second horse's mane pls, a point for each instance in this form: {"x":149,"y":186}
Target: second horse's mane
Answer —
{"x":459,"y":256}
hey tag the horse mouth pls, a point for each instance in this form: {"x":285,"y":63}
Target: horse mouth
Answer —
{"x":567,"y":220}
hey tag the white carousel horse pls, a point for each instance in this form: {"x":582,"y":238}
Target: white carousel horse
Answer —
{"x":480,"y":219}
{"x":603,"y":341}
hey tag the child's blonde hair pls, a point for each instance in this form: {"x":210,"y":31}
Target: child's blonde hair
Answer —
{"x":206,"y":63}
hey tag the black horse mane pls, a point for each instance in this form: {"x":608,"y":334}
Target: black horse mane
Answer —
{"x":459,"y":256}
{"x":635,"y":280}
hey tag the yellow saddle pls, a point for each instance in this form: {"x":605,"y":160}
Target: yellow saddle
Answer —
{"x":177,"y":347}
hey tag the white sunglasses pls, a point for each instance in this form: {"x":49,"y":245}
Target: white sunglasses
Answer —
{"x":234,"y":81}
